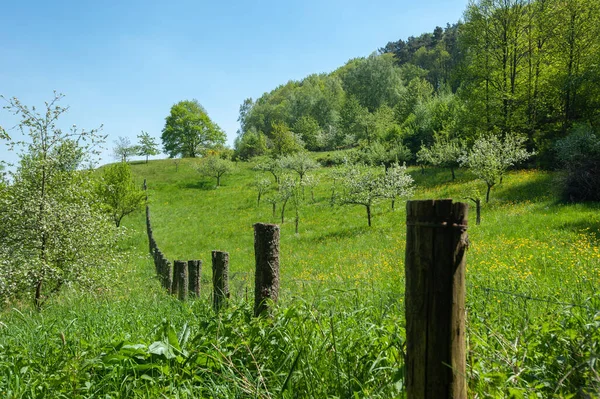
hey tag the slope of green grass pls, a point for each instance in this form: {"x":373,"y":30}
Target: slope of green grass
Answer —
{"x":339,"y":331}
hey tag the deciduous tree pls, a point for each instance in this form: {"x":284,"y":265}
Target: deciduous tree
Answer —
{"x":118,"y":193}
{"x":123,"y":149}
{"x":213,"y":166}
{"x":491,"y":156}
{"x":147,"y":145}
{"x":52,"y":228}
{"x":188,"y":130}
{"x":361,"y":185}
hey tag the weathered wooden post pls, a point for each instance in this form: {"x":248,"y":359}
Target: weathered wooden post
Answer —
{"x":168,"y":275}
{"x":194,"y":273}
{"x":436,"y":242}
{"x":157,"y":264}
{"x":266,"y":278}
{"x":175,"y":280}
{"x":181,"y":276}
{"x":220,"y":270}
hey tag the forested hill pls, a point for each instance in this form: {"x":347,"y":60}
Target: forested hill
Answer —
{"x":511,"y":67}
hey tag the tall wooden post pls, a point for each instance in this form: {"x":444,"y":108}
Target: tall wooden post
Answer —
{"x":194,"y":273}
{"x":181,"y":275}
{"x":436,"y":242}
{"x":220,"y":270}
{"x":266,"y":278}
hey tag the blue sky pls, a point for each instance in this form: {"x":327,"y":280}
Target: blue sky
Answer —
{"x":123,"y":64}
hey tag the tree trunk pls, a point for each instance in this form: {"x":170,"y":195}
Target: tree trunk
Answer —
{"x":283,"y":211}
{"x":487,"y":195}
{"x":368,"y":214}
{"x":38,"y":295}
{"x":393,"y":202}
{"x":453,"y":176}
{"x":274,"y":211}
{"x":478,"y":209}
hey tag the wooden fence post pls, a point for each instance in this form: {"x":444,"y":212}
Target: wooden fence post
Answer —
{"x":266,"y":278}
{"x":181,"y":276}
{"x":220,"y":270}
{"x":168,"y":275}
{"x":157,"y":263}
{"x":194,"y":273}
{"x":436,"y":242}
{"x":175,"y":280}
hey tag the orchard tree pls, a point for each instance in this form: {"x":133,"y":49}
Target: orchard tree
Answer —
{"x":397,"y":183}
{"x":474,"y":194}
{"x":213,"y":166}
{"x":287,"y":188}
{"x":311,"y":182}
{"x":147,"y":145}
{"x":262,"y":185}
{"x":52,"y":227}
{"x":443,"y":152}
{"x":362,"y":185}
{"x":491,"y":156}
{"x":123,"y":149}
{"x":273,"y":166}
{"x":118,"y":193}
{"x":188,"y":130}
{"x":301,"y":163}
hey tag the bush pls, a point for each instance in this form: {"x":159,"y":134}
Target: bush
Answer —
{"x":579,"y":155}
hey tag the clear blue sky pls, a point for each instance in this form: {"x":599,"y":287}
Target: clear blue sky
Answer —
{"x":123,"y":64}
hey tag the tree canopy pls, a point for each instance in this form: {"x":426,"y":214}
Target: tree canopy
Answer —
{"x":512,"y":67}
{"x":188,"y":130}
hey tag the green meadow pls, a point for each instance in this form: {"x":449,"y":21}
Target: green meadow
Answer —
{"x":533,"y":317}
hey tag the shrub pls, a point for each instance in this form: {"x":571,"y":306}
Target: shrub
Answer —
{"x":579,"y":155}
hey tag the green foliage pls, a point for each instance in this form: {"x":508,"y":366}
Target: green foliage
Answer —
{"x":579,"y":155}
{"x":373,"y":81}
{"x":188,"y":130}
{"x":214,"y":166}
{"x":250,"y":144}
{"x":284,"y":141}
{"x":308,"y":129}
{"x":118,"y":193}
{"x":147,"y":145}
{"x":52,"y":228}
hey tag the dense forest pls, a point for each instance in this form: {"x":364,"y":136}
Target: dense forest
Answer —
{"x":528,"y":67}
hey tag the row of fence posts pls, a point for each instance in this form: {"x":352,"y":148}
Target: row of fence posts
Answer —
{"x":436,"y":244}
{"x":183,"y":278}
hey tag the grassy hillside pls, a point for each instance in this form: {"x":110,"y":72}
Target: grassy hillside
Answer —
{"x":533,"y":269}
